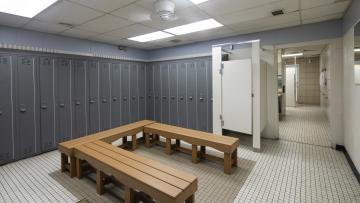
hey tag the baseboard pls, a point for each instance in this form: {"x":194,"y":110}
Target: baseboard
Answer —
{"x":351,"y":163}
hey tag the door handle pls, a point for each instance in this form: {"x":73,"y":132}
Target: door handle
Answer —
{"x":156,"y":97}
{"x":190,"y":98}
{"x":124,"y":99}
{"x":77,"y":103}
{"x":141,"y":97}
{"x":181,"y":98}
{"x":91,"y":101}
{"x":115,"y":98}
{"x":172,"y":97}
{"x":201,"y":99}
{"x":44,"y":107}
{"x":164,"y":97}
{"x":22,"y":110}
{"x":133,"y":98}
{"x":104,"y":100}
{"x":62,"y":105}
{"x":149,"y":96}
{"x":1,"y":113}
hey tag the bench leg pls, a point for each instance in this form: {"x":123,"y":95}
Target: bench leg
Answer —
{"x":134,"y":142}
{"x":147,"y":140}
{"x":234,"y":158}
{"x":124,"y":140}
{"x":168,"y":146}
{"x":64,"y":162}
{"x":178,"y":143}
{"x":72,"y":166}
{"x":78,"y":168}
{"x":129,"y":195}
{"x":194,"y":154}
{"x":190,"y":199}
{"x":227,"y":163}
{"x":203,"y":151}
{"x":99,"y":182}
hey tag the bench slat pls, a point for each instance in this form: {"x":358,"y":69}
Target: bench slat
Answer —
{"x":118,"y":156}
{"x":174,"y":172}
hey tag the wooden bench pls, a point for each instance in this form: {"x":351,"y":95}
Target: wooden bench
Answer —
{"x":227,"y":145}
{"x":136,"y":173}
{"x":66,"y":148}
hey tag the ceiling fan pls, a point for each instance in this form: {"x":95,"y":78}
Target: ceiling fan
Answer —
{"x":164,"y":10}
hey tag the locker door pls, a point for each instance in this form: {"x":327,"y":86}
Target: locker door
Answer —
{"x":142,"y":93}
{"x":78,"y":98}
{"x":173,"y":95}
{"x":105,"y":96}
{"x":150,"y":91}
{"x":24,"y":109}
{"x":182,"y":95}
{"x":134,"y":104}
{"x":201,"y":95}
{"x":46,"y":89}
{"x":191,"y":95}
{"x":209,"y":89}
{"x":165,"y":93}
{"x":62,"y":100}
{"x":125,"y":93}
{"x":157,"y":93}
{"x":115,"y":95}
{"x":93,"y":95}
{"x":6,"y":144}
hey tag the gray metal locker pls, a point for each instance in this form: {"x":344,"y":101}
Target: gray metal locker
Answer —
{"x":173,"y":94}
{"x":25,"y":139}
{"x":6,"y":144}
{"x":201,"y":95}
{"x":134,"y":104}
{"x":157,"y":92}
{"x":115,"y":95}
{"x":93,"y":97}
{"x":165,"y":93}
{"x":209,"y":89}
{"x":182,"y":99}
{"x":62,"y":100}
{"x":78,"y":96}
{"x":125,"y":93}
{"x":191,"y":95}
{"x":46,"y":90}
{"x":142,"y":91}
{"x":104,"y":96}
{"x":150,"y":92}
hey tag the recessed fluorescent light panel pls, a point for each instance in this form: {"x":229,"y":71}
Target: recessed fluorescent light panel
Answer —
{"x":198,"y":1}
{"x":357,"y":50}
{"x":292,"y":55}
{"x":194,"y":27}
{"x":28,"y":8}
{"x":151,"y":36}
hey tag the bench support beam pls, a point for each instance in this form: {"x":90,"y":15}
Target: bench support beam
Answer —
{"x":194,"y":154}
{"x":79,"y":168}
{"x":64,"y":162}
{"x":72,"y":166}
{"x":134,"y":142}
{"x":168,"y":149}
{"x":190,"y":199}
{"x":227,"y":163}
{"x":99,"y":182}
{"x":129,"y":195}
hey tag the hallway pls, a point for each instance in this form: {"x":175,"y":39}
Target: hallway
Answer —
{"x":305,"y":124}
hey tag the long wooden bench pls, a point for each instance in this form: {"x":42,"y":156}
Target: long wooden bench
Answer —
{"x":227,"y":145}
{"x":67,"y":148}
{"x":136,"y":173}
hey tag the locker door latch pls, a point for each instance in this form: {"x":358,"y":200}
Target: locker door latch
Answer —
{"x":221,"y":69}
{"x":222,"y":120}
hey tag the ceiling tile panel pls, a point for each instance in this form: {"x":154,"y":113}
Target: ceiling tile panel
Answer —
{"x":323,"y":18}
{"x":68,"y":12}
{"x":134,"y":12}
{"x":12,"y":20}
{"x":104,"y":5}
{"x":131,"y":31}
{"x":306,"y":4}
{"x":45,"y":26}
{"x":259,"y":12}
{"x":105,"y":23}
{"x":74,"y":32}
{"x":179,"y":4}
{"x":325,"y":10}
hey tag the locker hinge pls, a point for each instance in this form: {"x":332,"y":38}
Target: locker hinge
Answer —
{"x":221,"y":69}
{"x":222,"y":120}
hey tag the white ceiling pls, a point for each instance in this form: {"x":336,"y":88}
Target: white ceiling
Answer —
{"x":112,"y":21}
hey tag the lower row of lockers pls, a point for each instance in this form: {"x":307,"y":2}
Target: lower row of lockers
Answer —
{"x":180,"y":93}
{"x":47,"y":99}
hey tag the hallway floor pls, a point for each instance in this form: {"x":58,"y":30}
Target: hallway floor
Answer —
{"x":305,"y":124}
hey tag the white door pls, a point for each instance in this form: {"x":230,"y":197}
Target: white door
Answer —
{"x":237,"y":96}
{"x":290,"y":88}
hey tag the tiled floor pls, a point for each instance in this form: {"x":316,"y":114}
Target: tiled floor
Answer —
{"x":285,"y":171}
{"x":305,"y":124}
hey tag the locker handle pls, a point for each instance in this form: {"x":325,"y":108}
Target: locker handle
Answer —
{"x":172,"y":97}
{"x":115,"y":98}
{"x":156,"y":97}
{"x":91,"y":101}
{"x":44,"y":107}
{"x":141,"y":97}
{"x":23,"y":110}
{"x":104,"y":100}
{"x":181,"y":98}
{"x":124,"y":98}
{"x":133,"y":98}
{"x":149,"y":96}
{"x":164,"y":97}
{"x":1,"y":113}
{"x":77,"y":103}
{"x":190,"y":98}
{"x":62,"y":105}
{"x":201,"y":99}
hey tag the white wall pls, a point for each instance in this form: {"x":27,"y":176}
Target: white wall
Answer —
{"x":351,"y":101}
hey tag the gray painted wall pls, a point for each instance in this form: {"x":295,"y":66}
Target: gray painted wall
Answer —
{"x":309,"y":32}
{"x":24,"y":37}
{"x":352,"y":15}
